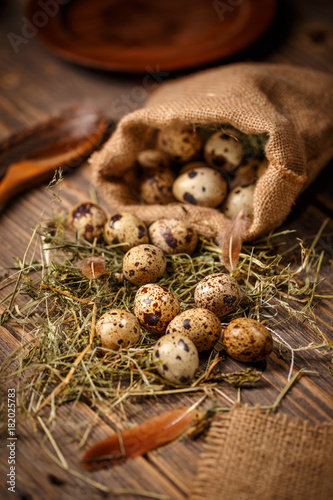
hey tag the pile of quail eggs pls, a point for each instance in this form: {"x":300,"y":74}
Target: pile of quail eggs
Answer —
{"x":188,"y":165}
{"x":180,"y":336}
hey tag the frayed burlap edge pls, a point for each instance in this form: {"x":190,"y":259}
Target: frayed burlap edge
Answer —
{"x":250,"y":454}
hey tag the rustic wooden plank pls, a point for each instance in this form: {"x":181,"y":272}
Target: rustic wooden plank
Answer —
{"x":162,"y":458}
{"x":34,"y":84}
{"x":39,"y":481}
{"x":314,"y":404}
{"x":68,"y":430}
{"x":177,"y":462}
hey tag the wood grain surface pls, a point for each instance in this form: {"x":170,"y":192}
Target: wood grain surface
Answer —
{"x":34,"y":85}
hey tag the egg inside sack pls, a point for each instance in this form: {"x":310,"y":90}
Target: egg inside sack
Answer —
{"x":144,"y":264}
{"x":201,"y":186}
{"x":118,"y":328}
{"x":262,"y":168}
{"x":173,"y":236}
{"x":156,"y":186}
{"x":201,"y":326}
{"x":239,"y":199}
{"x":155,"y":306}
{"x":181,"y":143}
{"x":219,"y":293}
{"x":176,"y":358}
{"x":125,"y":229}
{"x":191,"y":165}
{"x":223,"y":151}
{"x":246,"y":174}
{"x":247,"y":340}
{"x":153,"y":158}
{"x":87,"y":219}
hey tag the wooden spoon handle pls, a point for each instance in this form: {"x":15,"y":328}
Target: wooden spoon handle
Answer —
{"x":23,"y":176}
{"x":40,"y":167}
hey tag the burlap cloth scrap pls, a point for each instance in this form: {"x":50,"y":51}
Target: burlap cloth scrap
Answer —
{"x":292,"y":105}
{"x":252,"y":455}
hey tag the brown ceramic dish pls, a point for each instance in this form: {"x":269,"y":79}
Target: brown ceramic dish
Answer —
{"x":151,"y":35}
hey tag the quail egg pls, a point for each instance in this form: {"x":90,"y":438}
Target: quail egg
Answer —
{"x":247,"y":340}
{"x":144,"y":264}
{"x":155,"y":306}
{"x":181,"y":143}
{"x":118,"y":328}
{"x":235,"y":133}
{"x":223,"y":151}
{"x":126,"y":229}
{"x":176,"y":358}
{"x":219,"y":293}
{"x":191,"y":165}
{"x":87,"y":220}
{"x":240,"y":198}
{"x":156,"y":186}
{"x":173,"y":236}
{"x":262,"y":168}
{"x":245,"y":174}
{"x":201,"y":326}
{"x":153,"y":158}
{"x":201,"y":186}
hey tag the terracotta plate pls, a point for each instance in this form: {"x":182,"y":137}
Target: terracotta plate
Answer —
{"x":143,"y":35}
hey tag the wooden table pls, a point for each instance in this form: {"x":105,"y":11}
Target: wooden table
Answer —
{"x":34,"y":84}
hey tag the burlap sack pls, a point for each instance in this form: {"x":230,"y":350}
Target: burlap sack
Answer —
{"x":251,"y":455}
{"x":293,"y":105}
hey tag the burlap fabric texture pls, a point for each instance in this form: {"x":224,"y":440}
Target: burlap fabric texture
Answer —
{"x":292,"y":105}
{"x":252,"y":455}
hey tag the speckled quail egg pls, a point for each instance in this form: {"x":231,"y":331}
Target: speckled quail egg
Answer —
{"x":201,"y":186}
{"x":201,"y":326}
{"x":219,"y":293}
{"x":156,"y":186}
{"x":240,"y":198}
{"x":155,"y":306}
{"x":125,"y":228}
{"x":223,"y":151}
{"x":144,"y":264}
{"x":118,"y":328}
{"x":245,"y":174}
{"x":248,"y":173}
{"x":153,"y":158}
{"x":176,"y":358}
{"x":262,"y":168}
{"x":173,"y":236}
{"x":87,"y":220}
{"x":235,"y":133}
{"x":182,"y":143}
{"x":191,"y":165}
{"x":247,"y":340}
